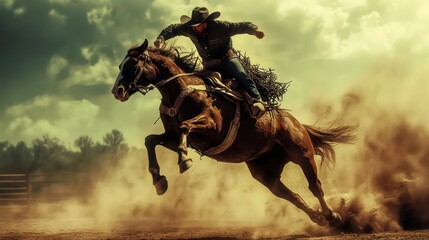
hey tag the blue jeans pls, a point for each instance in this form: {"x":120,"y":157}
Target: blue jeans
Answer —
{"x":232,"y":68}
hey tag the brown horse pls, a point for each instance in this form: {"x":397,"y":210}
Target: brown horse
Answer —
{"x":201,"y":119}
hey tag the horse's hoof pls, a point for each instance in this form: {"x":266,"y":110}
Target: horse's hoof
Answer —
{"x":335,"y":220}
{"x":319,"y":219}
{"x":185,"y":165}
{"x":161,"y":186}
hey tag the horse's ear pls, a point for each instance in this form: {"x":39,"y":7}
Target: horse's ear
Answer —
{"x":143,"y":47}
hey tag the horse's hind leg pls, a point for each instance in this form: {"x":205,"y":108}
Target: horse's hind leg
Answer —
{"x":301,"y":152}
{"x":151,"y":141}
{"x":308,"y":166}
{"x":267,"y":170}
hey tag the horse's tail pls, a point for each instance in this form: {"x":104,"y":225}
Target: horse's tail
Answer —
{"x":325,"y":139}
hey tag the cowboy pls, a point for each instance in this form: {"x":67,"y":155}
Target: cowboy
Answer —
{"x":214,"y":45}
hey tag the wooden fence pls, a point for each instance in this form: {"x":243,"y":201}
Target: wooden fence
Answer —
{"x":23,"y":190}
{"x":15,"y":190}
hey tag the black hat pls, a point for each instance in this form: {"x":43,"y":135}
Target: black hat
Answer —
{"x":199,"y":15}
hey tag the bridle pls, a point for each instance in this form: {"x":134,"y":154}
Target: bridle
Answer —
{"x":135,"y":86}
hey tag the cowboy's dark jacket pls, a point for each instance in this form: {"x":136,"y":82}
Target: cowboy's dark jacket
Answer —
{"x":215,"y":42}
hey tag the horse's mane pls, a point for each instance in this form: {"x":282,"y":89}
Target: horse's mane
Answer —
{"x":187,"y":61}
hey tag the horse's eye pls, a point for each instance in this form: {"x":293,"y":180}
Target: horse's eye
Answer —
{"x":130,"y":64}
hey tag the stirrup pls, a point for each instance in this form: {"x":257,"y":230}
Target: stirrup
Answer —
{"x":216,"y":75}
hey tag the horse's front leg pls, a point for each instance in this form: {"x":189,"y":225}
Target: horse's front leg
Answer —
{"x":167,"y":140}
{"x":200,"y":123}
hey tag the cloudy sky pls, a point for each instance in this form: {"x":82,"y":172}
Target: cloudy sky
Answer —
{"x":59,"y":58}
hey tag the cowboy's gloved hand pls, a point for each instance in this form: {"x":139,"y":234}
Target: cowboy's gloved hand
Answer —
{"x":158,"y":42}
{"x":259,"y":34}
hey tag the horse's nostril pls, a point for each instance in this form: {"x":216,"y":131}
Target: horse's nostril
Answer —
{"x":120,"y":91}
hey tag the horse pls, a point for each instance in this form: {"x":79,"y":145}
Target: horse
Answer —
{"x":201,"y":120}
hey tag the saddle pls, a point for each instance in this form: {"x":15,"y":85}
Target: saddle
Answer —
{"x":228,"y":87}
{"x":213,"y":83}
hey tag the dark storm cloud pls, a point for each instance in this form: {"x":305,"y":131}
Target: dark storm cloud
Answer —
{"x":30,"y":39}
{"x":61,"y":28}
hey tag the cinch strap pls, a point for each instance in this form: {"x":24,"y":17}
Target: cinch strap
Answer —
{"x":179,"y":100}
{"x":231,"y":135}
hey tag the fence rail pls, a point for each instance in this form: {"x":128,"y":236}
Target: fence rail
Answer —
{"x":13,"y":175}
{"x":22,"y":190}
{"x":15,"y":190}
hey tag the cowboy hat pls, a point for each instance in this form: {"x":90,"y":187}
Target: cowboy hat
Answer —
{"x":199,"y":15}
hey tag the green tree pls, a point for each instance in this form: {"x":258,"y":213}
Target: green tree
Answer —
{"x":116,"y":146}
{"x":3,"y":145}
{"x":84,"y":143}
{"x":49,"y":153}
{"x":21,"y":157}
{"x":114,"y":139}
{"x":15,"y":158}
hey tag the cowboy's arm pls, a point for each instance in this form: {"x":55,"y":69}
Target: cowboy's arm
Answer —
{"x":243,"y":28}
{"x":172,"y":31}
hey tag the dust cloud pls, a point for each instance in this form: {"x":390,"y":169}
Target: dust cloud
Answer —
{"x":211,"y":195}
{"x":380,"y":183}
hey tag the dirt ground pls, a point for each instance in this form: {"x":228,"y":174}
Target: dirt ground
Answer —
{"x":146,"y":229}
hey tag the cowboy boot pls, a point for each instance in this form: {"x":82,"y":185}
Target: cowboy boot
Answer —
{"x":257,"y":109}
{"x":256,"y":106}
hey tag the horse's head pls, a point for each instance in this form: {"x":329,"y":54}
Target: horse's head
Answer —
{"x":136,"y":72}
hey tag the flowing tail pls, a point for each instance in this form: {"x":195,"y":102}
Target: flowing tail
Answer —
{"x":325,"y":139}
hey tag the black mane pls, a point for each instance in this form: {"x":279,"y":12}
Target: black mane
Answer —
{"x":187,"y":61}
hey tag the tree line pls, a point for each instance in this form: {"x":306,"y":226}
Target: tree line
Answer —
{"x":47,"y":154}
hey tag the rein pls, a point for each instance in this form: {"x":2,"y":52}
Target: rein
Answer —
{"x":145,"y":89}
